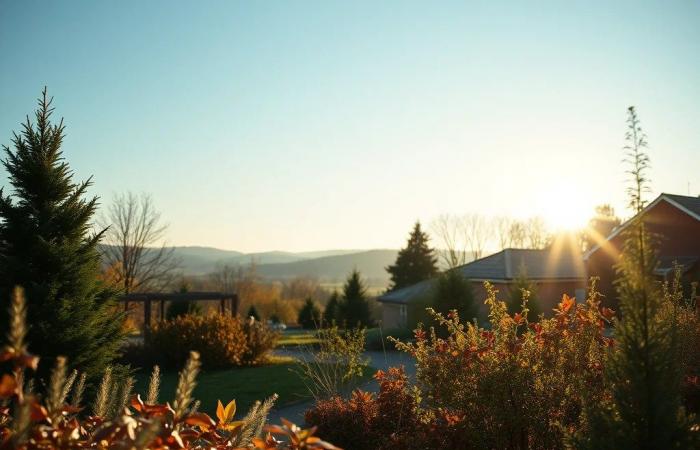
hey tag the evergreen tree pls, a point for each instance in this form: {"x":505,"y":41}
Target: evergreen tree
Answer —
{"x":354,"y":308}
{"x":309,"y":315}
{"x":646,"y":410}
{"x":454,"y":291}
{"x":331,"y":314}
{"x":253,"y":312}
{"x":522,"y":286}
{"x":414,"y":263}
{"x":183,"y":308}
{"x":47,"y":247}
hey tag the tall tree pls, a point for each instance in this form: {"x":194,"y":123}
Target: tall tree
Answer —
{"x":414,"y":263}
{"x":133,"y":245}
{"x":645,"y":411}
{"x":454,"y":291}
{"x":309,"y":315}
{"x":331,"y":314}
{"x":47,"y":247}
{"x":354,"y":307}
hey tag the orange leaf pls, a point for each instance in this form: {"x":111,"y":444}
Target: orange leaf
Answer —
{"x":8,"y":386}
{"x":200,"y":419}
{"x":230,"y":410}
{"x":220,"y":413}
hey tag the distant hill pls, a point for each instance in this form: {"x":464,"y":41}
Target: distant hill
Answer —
{"x":371,"y":263}
{"x":328,"y":266}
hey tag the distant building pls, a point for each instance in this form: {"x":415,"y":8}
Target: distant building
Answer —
{"x":555,"y":271}
{"x":674,"y":221}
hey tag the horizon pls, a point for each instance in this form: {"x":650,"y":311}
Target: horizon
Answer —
{"x":315,"y":125}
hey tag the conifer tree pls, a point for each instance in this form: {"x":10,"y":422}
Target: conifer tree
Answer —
{"x":645,"y":411}
{"x":253,"y":312}
{"x":354,"y":307}
{"x":414,"y":263}
{"x":309,"y":315}
{"x":331,"y":314}
{"x":48,"y":248}
{"x":454,"y":291}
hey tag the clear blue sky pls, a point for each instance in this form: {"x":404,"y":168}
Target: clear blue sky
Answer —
{"x":298,"y":125}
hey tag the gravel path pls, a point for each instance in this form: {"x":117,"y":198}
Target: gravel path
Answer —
{"x":378,"y":360}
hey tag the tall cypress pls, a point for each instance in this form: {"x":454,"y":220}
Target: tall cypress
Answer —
{"x":414,"y":263}
{"x":47,"y":246}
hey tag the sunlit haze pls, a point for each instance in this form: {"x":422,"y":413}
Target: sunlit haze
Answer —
{"x":318,"y":125}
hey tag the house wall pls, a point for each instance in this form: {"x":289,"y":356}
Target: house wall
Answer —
{"x":391,"y":316}
{"x":678,"y":234}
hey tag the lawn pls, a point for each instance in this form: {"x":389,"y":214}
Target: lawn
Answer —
{"x":297,"y":338}
{"x":244,"y":384}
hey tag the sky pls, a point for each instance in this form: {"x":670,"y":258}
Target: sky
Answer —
{"x":308,"y":125}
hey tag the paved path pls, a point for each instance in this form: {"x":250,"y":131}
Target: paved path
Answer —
{"x":378,"y":360}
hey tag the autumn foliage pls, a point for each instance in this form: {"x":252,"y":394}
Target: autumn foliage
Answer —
{"x":221,"y":340}
{"x":517,"y":385}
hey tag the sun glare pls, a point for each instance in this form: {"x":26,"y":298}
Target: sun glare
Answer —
{"x":566,"y":208}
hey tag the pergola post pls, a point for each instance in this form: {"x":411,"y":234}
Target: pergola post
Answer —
{"x":147,"y":315}
{"x":162,"y":310}
{"x":234,"y":305}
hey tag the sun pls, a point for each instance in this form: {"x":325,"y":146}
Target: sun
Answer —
{"x":566,"y":208}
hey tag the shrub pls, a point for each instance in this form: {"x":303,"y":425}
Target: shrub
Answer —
{"x":366,"y":421}
{"x":336,"y":364}
{"x":221,"y":340}
{"x":518,"y":385}
{"x":260,"y":340}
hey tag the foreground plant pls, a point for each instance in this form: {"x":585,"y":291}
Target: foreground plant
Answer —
{"x":120,"y":420}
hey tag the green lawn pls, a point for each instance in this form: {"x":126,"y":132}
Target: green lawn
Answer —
{"x":244,"y":384}
{"x":296,"y":338}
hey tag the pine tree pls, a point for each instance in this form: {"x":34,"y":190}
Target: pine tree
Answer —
{"x":454,"y":291}
{"x":646,"y":410}
{"x":331,"y":314}
{"x":354,"y":307}
{"x":47,"y":247}
{"x":414,"y":263}
{"x":253,"y":312}
{"x":309,"y":315}
{"x":521,"y":286}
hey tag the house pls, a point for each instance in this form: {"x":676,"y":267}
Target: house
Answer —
{"x":555,"y":271}
{"x":674,"y":222}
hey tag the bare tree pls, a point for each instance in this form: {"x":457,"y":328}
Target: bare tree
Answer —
{"x":536,"y":233}
{"x":517,"y":233}
{"x":449,"y":233}
{"x":133,"y":244}
{"x":478,"y":231}
{"x":502,"y":228}
{"x":225,"y":277}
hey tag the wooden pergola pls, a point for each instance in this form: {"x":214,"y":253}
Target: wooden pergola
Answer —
{"x":147,"y":298}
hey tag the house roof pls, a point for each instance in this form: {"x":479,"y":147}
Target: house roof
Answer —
{"x":687,"y":204}
{"x":556,"y":263}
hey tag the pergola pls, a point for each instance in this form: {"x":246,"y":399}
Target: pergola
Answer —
{"x":147,"y":298}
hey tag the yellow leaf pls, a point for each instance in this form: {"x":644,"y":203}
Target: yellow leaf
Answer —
{"x":230,"y":411}
{"x":220,"y":413}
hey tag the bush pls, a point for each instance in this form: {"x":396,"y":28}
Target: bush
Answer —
{"x":518,"y":385}
{"x":260,"y":341}
{"x":366,"y":421}
{"x":221,"y":340}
